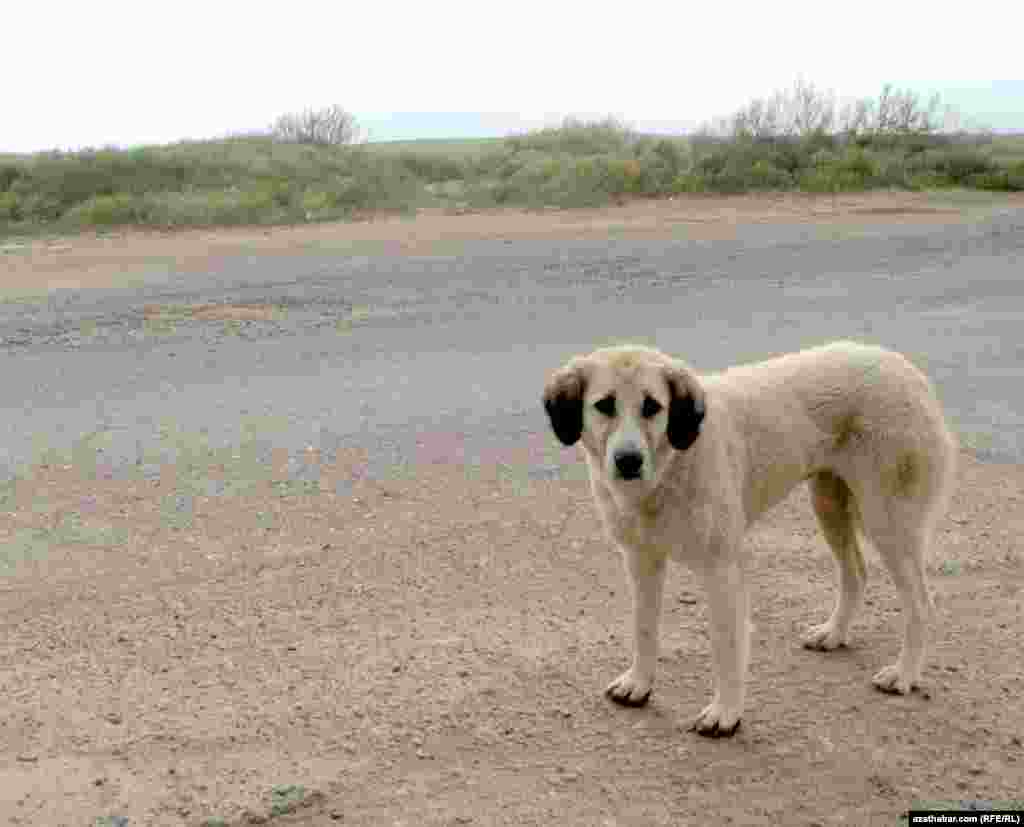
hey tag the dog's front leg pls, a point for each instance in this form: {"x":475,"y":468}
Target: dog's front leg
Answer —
{"x":728,"y":600}
{"x":646,"y":571}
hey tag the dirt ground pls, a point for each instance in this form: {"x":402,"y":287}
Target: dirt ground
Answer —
{"x":114,"y":259}
{"x":431,"y":649}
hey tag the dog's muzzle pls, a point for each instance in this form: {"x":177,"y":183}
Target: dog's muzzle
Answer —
{"x":629,"y":464}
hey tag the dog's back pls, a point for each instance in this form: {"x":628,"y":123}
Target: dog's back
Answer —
{"x":861,"y":411}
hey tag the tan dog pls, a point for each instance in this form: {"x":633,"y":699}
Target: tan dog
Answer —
{"x":681,"y":465}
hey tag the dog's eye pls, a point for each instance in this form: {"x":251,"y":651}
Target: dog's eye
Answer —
{"x":606,"y":405}
{"x":650,"y":408}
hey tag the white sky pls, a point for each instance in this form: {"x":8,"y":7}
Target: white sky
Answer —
{"x":92,"y":73}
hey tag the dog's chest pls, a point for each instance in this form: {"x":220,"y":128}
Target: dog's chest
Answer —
{"x":632,"y":527}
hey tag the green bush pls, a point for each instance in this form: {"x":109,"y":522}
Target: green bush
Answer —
{"x":577,"y":137}
{"x":9,"y":173}
{"x":661,"y":162}
{"x":765,"y":176}
{"x":689,"y":182}
{"x":432,"y":167}
{"x":193,"y":209}
{"x":929,"y":180}
{"x":998,"y":181}
{"x":856,"y":165}
{"x":317,"y":203}
{"x":892,"y":174}
{"x":255,"y":205}
{"x":107,"y":210}
{"x":376,"y":185}
{"x":10,"y":209}
{"x":39,"y":206}
{"x":621,"y":176}
{"x":960,"y":165}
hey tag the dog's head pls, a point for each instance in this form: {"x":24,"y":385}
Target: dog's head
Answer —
{"x":631,"y":406}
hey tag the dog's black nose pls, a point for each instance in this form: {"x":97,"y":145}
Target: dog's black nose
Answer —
{"x":628,"y":464}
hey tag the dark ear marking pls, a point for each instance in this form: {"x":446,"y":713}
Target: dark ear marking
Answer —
{"x":685,"y":413}
{"x":563,"y":402}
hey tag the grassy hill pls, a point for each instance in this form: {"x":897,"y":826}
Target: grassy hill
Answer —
{"x":260,"y":180}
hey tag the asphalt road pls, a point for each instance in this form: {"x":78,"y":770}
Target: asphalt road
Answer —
{"x":377,"y":351}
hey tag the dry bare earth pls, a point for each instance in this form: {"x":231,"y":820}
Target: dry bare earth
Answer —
{"x":114,"y":259}
{"x":431,"y":650}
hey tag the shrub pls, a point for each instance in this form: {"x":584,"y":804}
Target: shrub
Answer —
{"x":10,"y":208}
{"x":689,"y":182}
{"x":620,"y":176}
{"x":764,"y":176}
{"x":997,"y":181}
{"x":661,"y":162}
{"x":432,"y":168}
{"x":39,"y":205}
{"x":108,"y":210}
{"x":317,"y":203}
{"x":577,"y":137}
{"x":255,"y":205}
{"x":960,"y":165}
{"x":9,"y":173}
{"x":857,"y":166}
{"x":929,"y":180}
{"x":892,"y":173}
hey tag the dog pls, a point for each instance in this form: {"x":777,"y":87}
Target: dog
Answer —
{"x":682,"y":464}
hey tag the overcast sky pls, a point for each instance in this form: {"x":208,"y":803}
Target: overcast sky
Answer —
{"x":112,"y":72}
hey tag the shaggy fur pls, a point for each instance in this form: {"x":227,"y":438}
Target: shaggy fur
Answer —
{"x":681,"y":465}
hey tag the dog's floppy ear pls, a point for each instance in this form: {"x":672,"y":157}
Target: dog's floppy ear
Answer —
{"x":563,"y":401}
{"x":686,"y":408}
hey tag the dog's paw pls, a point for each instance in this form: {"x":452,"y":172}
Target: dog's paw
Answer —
{"x":630,"y":689}
{"x":824,"y":638}
{"x":715,"y":721}
{"x":893,"y":681}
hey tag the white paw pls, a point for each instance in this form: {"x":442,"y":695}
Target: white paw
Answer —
{"x":630,"y":688}
{"x":893,"y":680}
{"x":717,"y":721}
{"x":824,"y":638}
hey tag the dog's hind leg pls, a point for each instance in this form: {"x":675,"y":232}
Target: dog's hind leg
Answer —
{"x":836,"y":511}
{"x":901,"y":530}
